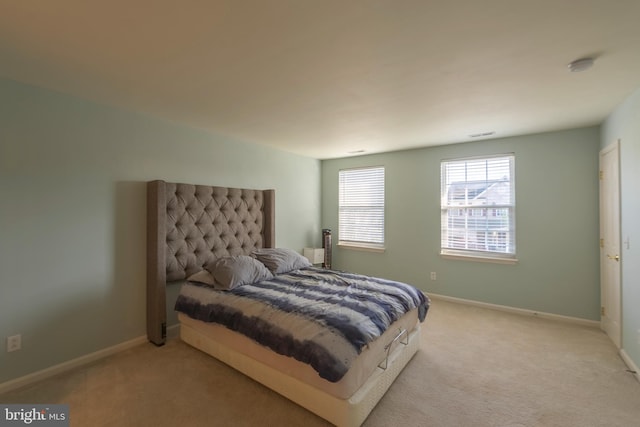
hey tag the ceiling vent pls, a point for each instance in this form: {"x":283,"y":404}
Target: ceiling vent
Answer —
{"x":480,"y":135}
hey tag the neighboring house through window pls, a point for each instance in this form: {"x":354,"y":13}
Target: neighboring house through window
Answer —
{"x":361,"y":207}
{"x":478,"y":207}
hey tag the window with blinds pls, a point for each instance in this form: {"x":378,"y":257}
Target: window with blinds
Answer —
{"x":478,"y":207}
{"x":361,"y":207}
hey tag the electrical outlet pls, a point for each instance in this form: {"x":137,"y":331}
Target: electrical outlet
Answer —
{"x":433,"y":275}
{"x":14,"y":343}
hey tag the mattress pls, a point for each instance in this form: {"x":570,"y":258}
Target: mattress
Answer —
{"x":361,"y":369}
{"x":323,"y":318}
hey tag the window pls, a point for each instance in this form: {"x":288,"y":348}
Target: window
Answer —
{"x":361,"y":207}
{"x":478,"y":207}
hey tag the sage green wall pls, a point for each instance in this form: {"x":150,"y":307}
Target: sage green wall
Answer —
{"x":624,"y":124}
{"x":72,"y":215}
{"x":556,"y":220}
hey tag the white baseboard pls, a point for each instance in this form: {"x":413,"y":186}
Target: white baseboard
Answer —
{"x":521,"y":311}
{"x":632,"y":366}
{"x":69,"y":365}
{"x":173,"y":331}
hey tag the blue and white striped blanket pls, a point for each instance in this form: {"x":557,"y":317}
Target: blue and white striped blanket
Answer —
{"x":320,"y":317}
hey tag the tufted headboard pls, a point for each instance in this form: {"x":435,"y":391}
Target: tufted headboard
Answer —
{"x":189,"y":226}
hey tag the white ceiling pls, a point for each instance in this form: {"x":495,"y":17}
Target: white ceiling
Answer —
{"x":325,"y":78}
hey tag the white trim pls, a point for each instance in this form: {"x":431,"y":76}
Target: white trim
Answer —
{"x":361,"y":246}
{"x":69,"y":365}
{"x":173,"y":331}
{"x":521,"y":311}
{"x":468,"y":257}
{"x":611,"y":146}
{"x":632,"y":366}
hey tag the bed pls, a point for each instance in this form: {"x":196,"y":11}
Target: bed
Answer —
{"x":193,"y":227}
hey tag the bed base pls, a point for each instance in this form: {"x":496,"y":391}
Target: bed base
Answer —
{"x":340,"y":412}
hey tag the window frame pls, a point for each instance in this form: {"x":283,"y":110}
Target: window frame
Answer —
{"x":470,"y":211}
{"x":363,"y":244}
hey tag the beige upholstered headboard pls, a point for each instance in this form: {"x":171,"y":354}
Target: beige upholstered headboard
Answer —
{"x":189,"y":226}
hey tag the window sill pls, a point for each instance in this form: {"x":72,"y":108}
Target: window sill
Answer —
{"x":361,"y":247}
{"x":476,"y":258}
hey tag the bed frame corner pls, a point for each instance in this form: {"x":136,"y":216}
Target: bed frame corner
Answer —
{"x":269,"y":231}
{"x":156,"y":269}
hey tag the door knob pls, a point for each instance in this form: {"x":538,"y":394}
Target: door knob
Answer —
{"x":616,"y":257}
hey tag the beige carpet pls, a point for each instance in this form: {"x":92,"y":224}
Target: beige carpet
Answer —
{"x":477,"y":367}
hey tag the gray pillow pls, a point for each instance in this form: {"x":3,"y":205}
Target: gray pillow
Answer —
{"x":281,"y":260}
{"x":234,"y":271}
{"x":202,"y":276}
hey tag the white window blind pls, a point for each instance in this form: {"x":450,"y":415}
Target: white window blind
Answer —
{"x":478,"y":207}
{"x":361,"y":207}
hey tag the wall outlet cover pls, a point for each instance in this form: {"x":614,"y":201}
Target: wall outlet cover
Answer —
{"x":14,"y":343}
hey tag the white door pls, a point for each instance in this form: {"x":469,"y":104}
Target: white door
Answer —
{"x":610,"y":320}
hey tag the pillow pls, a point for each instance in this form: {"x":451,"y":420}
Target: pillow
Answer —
{"x":231,"y":272}
{"x":281,"y":260}
{"x":202,"y":276}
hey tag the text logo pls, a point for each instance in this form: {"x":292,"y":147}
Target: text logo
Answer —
{"x":34,"y":415}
